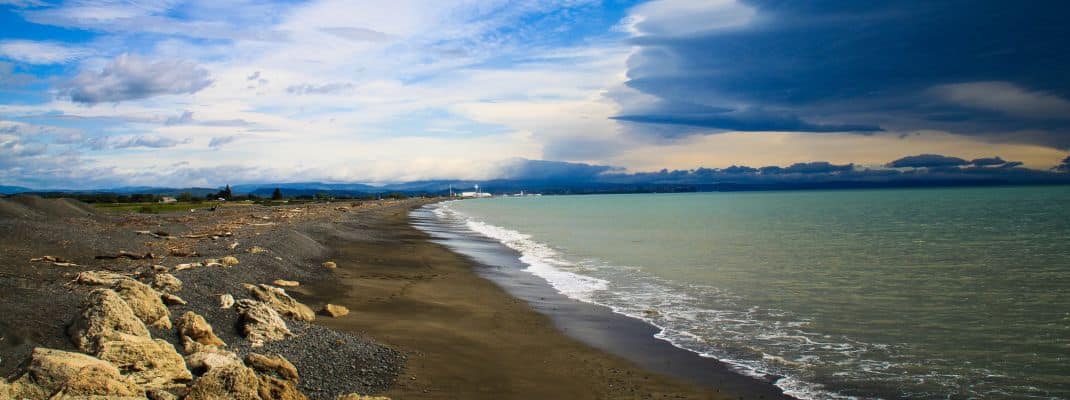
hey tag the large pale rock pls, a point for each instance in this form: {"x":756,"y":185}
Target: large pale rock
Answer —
{"x":105,"y":317}
{"x":67,"y":375}
{"x":281,"y":302}
{"x":330,"y":264}
{"x":335,"y":311}
{"x":229,"y":382}
{"x":103,"y":278}
{"x":146,"y":303}
{"x":229,"y":261}
{"x":160,"y":394}
{"x":208,"y":358}
{"x":193,"y":326}
{"x":172,"y":300}
{"x":166,"y":283}
{"x":261,"y":323}
{"x":150,"y":363}
{"x":279,"y":389}
{"x":276,"y":366}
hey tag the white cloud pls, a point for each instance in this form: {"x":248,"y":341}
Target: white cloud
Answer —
{"x":1004,"y":97}
{"x":687,"y":17}
{"x":37,"y":52}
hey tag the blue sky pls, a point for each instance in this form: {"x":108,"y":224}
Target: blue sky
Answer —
{"x":97,"y":93}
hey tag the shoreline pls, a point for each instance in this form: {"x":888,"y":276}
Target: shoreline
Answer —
{"x":475,"y":325}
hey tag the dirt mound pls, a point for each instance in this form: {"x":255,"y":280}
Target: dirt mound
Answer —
{"x":59,"y":208}
{"x":296,"y":245}
{"x":12,"y":209}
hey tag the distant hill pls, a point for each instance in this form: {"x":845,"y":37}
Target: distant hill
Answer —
{"x":13,"y":189}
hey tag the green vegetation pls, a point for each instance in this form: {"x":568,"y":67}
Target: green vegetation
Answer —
{"x":153,"y":208}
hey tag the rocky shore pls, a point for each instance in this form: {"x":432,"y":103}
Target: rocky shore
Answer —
{"x":186,"y":305}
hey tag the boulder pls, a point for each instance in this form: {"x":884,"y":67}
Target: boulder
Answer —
{"x":229,"y":261}
{"x":228,"y":382}
{"x":285,"y":283}
{"x":279,"y":389}
{"x":226,"y":301}
{"x":276,"y":366}
{"x":281,"y":302}
{"x":335,"y":311}
{"x":260,"y":323}
{"x":66,"y":375}
{"x":150,"y":363}
{"x":145,"y":301}
{"x":104,"y":317}
{"x":330,"y":265}
{"x":207,"y":358}
{"x":194,"y":327}
{"x":166,"y":283}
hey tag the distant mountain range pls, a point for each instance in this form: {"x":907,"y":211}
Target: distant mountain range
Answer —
{"x":553,"y":177}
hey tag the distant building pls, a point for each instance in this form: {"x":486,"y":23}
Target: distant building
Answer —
{"x":475,"y":194}
{"x":168,"y":199}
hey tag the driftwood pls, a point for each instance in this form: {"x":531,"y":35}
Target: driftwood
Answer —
{"x":125,"y":254}
{"x":208,"y":235}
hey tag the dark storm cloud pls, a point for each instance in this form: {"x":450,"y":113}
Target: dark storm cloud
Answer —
{"x":927,"y":161}
{"x":964,"y":66}
{"x":543,"y":170}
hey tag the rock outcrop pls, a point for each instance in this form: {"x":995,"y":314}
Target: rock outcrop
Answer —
{"x":145,"y":301}
{"x":281,"y":302}
{"x":207,"y":358}
{"x":66,"y":375}
{"x":260,"y":323}
{"x":103,"y":278}
{"x":150,"y":363}
{"x":106,"y":317}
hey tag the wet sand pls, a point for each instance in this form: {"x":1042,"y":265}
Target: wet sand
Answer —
{"x":466,"y":337}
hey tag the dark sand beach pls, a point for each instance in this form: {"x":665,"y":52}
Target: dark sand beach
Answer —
{"x":425,"y":322}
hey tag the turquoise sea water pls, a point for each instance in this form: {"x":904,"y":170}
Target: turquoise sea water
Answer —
{"x":927,"y":293}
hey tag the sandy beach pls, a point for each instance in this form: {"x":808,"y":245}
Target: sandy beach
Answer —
{"x":422,"y":322}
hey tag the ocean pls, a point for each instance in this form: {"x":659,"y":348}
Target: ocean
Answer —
{"x":897,"y":293}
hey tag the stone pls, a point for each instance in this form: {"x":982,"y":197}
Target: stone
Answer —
{"x":229,"y":261}
{"x":67,"y":375}
{"x":172,"y":300}
{"x":355,"y":396}
{"x":279,"y":389}
{"x":285,"y":283}
{"x":260,"y":323}
{"x":228,"y":382}
{"x":226,"y":301}
{"x":104,"y":317}
{"x":330,"y":265}
{"x":256,"y":250}
{"x":166,"y":283}
{"x":150,"y":363}
{"x":208,"y":358}
{"x":160,"y":268}
{"x":276,"y":366}
{"x":145,"y":301}
{"x":281,"y":302}
{"x":193,"y":326}
{"x":335,"y":311}
{"x":102,"y":278}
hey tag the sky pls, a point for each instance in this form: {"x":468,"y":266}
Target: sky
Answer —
{"x":106,"y":93}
